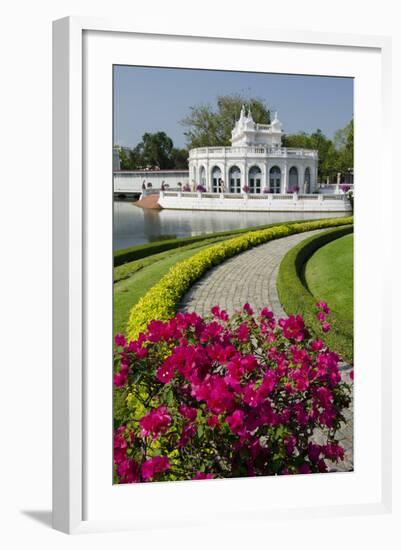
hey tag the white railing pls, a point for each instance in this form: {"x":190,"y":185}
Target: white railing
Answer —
{"x":251,"y":196}
{"x":275,"y":202}
{"x":227,"y":152}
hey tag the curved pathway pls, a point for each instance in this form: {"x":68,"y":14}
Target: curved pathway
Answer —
{"x":251,"y":278}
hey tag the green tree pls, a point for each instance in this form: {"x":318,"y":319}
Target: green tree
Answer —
{"x":344,"y":141}
{"x":154,"y":150}
{"x":179,"y":158}
{"x":212,"y":127}
{"x":125,"y":161}
{"x":329,"y":163}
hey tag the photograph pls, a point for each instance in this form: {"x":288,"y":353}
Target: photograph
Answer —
{"x":233,"y":274}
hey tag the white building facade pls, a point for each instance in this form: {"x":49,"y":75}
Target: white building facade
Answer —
{"x":255,"y":163}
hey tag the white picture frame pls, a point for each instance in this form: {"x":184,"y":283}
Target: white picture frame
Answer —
{"x":75,"y":220}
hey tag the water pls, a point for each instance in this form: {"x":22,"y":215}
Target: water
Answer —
{"x":133,"y":225}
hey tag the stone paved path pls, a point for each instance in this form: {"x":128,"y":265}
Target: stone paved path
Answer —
{"x":251,"y":278}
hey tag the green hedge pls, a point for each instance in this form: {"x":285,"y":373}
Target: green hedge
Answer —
{"x":148,"y":249}
{"x":161,"y":300}
{"x":296,"y":298}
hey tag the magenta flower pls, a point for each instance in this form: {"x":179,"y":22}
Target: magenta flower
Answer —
{"x":243,"y":332}
{"x":304,"y":469}
{"x":155,"y":422}
{"x":293,"y":328}
{"x":119,"y":340}
{"x":203,"y":475}
{"x":153,"y":466}
{"x":187,"y":412}
{"x":289,"y":444}
{"x":128,"y":471}
{"x":325,"y":327}
{"x":247,"y":308}
{"x":266,"y":312}
{"x":236,"y":421}
{"x":323,"y":307}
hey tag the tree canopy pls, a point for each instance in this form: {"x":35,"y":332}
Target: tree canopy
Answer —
{"x":206,"y":126}
{"x":154,"y":151}
{"x":335,"y":155}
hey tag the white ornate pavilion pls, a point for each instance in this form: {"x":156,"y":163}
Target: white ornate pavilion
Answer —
{"x":256,"y":162}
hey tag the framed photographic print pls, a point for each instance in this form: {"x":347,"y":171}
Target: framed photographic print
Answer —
{"x":214,"y":284}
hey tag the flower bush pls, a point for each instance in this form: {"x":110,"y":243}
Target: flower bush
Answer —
{"x":201,"y":188}
{"x":186,"y":188}
{"x":161,"y":300}
{"x":245,"y":188}
{"x":217,"y":397}
{"x":345,"y":187}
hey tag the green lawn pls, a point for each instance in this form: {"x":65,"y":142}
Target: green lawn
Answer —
{"x":134,"y":279}
{"x":329,"y":276}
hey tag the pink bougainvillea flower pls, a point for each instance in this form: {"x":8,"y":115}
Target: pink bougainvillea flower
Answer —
{"x":266,"y":312}
{"x":317,"y":345}
{"x":203,"y":475}
{"x":187,"y":433}
{"x":314,"y":451}
{"x":236,"y":421}
{"x":323,"y":306}
{"x":128,"y":471}
{"x":187,"y":412}
{"x":321,"y":316}
{"x":153,"y":466}
{"x":165,"y":373}
{"x":120,"y":340}
{"x":219,"y":313}
{"x":289,"y":443}
{"x":155,"y":422}
{"x":247,"y":308}
{"x":243,"y":332}
{"x":325,"y":327}
{"x":293,"y":328}
{"x":212,"y":421}
{"x":304,"y":469}
{"x":333,"y":451}
{"x":351,"y":374}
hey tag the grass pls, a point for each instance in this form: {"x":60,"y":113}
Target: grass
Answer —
{"x":329,"y":276}
{"x":297,"y":298}
{"x":132,"y":283}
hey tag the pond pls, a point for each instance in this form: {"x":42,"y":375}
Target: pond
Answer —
{"x":133,"y":225}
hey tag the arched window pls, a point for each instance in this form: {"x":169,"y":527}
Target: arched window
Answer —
{"x":255,"y":179}
{"x":293,"y":179}
{"x":202,"y":176}
{"x":216,"y":180}
{"x":235,"y":179}
{"x":307,"y":180}
{"x":275,"y":180}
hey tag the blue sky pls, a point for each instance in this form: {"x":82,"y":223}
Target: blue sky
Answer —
{"x":148,"y":99}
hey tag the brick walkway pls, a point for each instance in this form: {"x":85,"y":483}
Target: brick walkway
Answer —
{"x":250,"y":278}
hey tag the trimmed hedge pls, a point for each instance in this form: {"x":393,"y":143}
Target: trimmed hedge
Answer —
{"x":296,"y":298}
{"x":148,"y":249}
{"x":161,"y":300}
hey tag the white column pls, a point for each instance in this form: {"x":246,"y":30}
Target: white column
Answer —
{"x":284,"y":177}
